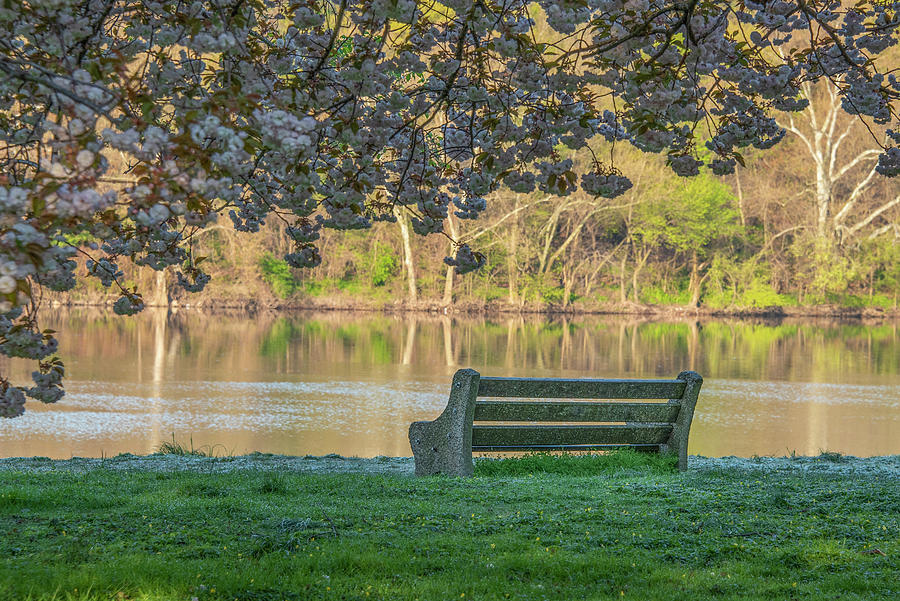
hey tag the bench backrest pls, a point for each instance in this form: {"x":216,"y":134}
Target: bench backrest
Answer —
{"x":589,"y":425}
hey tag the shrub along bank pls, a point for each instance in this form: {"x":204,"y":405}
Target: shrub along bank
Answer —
{"x":539,"y":528}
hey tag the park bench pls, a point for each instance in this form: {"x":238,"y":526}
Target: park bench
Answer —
{"x":445,"y":445}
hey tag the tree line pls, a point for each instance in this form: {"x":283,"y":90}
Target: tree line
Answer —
{"x":806,"y":223}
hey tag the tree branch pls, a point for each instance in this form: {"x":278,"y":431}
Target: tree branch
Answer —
{"x":794,"y":130}
{"x":856,"y":161}
{"x":854,"y":196}
{"x":851,"y":231}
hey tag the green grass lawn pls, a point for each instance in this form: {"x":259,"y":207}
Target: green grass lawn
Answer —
{"x":595,"y":529}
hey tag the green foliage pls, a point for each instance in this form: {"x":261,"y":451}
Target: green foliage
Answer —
{"x":277,"y":274}
{"x":79,"y":239}
{"x":317,"y":287}
{"x":734,"y":283}
{"x":823,"y":269}
{"x":541,"y":288}
{"x":349,"y":285}
{"x":274,"y":483}
{"x":484,"y":281}
{"x":385,"y":264}
{"x":883,"y":301}
{"x":858,"y":301}
{"x":655,"y":295}
{"x":575,"y":465}
{"x":687,"y":215}
{"x":761,"y":294}
{"x":757,"y":294}
{"x":878,"y":261}
{"x":490,"y":292}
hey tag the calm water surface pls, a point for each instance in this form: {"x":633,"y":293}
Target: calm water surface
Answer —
{"x":351,"y":383}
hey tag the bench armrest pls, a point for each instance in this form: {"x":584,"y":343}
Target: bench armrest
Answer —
{"x":444,"y":446}
{"x":681,"y":429}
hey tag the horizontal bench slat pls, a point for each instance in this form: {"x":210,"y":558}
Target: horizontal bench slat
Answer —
{"x":567,"y":447}
{"x":553,"y":388}
{"x":565,"y":411}
{"x":568,"y":435}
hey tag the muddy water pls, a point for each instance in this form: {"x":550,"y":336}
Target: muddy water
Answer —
{"x":351,"y":383}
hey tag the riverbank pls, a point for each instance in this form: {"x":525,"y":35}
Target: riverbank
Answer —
{"x":265,"y":527}
{"x":344,"y":304}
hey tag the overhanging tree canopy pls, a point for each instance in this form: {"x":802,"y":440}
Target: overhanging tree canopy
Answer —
{"x":133,"y":125}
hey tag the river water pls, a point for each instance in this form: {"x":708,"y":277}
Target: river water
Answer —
{"x":350,"y":383}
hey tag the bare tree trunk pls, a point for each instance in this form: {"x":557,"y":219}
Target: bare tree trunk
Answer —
{"x":696,"y":281}
{"x":634,"y":281}
{"x":550,"y":234}
{"x":740,"y":195}
{"x":512,"y":265}
{"x":160,"y":296}
{"x":568,"y":275}
{"x":823,"y":202}
{"x":640,"y":259}
{"x":591,"y":278}
{"x":407,"y":254}
{"x":448,"y":278}
{"x":694,"y":286}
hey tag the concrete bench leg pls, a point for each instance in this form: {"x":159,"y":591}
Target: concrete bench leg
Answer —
{"x":444,"y":446}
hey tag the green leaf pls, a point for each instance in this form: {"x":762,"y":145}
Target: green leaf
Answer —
{"x":94,"y":70}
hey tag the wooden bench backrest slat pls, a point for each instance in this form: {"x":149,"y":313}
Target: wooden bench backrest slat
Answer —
{"x":569,"y":435}
{"x":550,"y":388}
{"x":564,"y":411}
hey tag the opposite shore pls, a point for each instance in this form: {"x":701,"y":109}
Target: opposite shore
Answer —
{"x":337,"y":303}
